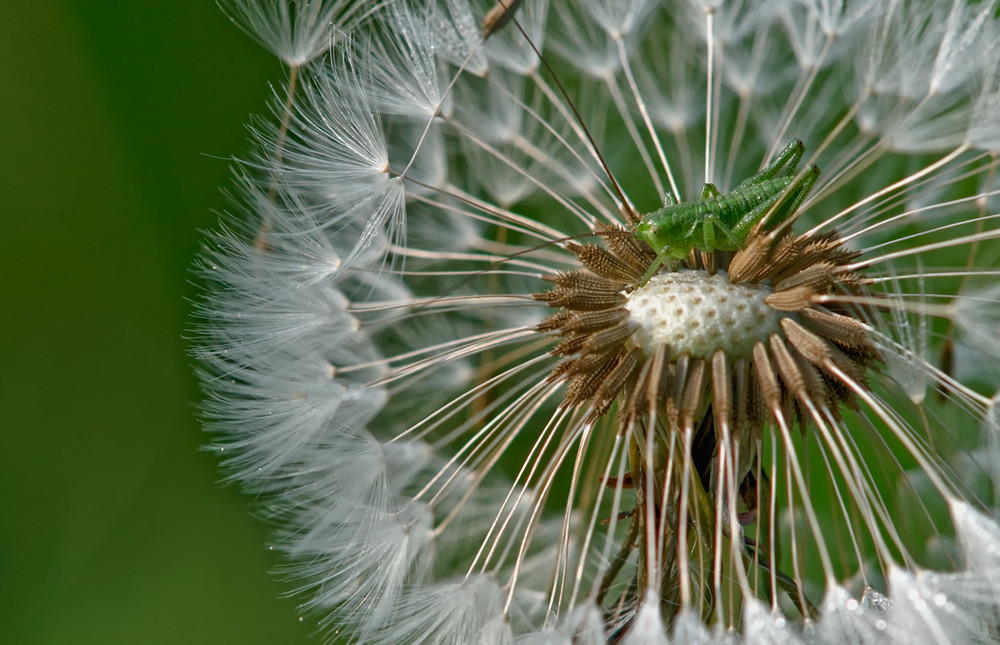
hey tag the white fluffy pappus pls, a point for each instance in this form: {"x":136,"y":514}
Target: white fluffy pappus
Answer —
{"x":418,"y":351}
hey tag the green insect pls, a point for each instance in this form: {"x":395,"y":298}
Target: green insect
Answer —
{"x":719,"y":222}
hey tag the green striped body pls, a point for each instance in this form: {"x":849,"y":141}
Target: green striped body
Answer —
{"x":720,"y":223}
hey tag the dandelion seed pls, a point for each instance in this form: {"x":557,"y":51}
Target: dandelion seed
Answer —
{"x":483,"y":402}
{"x":295,"y":31}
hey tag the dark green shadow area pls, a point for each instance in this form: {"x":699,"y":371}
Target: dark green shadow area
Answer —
{"x":117,"y":116}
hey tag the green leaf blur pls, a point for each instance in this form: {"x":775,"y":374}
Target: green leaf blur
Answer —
{"x":117,"y":120}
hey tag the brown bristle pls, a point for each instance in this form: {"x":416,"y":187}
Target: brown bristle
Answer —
{"x":588,"y":281}
{"x":817,"y":277}
{"x":591,"y":321}
{"x":581,"y":299}
{"x":842,"y":330}
{"x":791,"y":299}
{"x":603,"y":263}
{"x":627,"y":247}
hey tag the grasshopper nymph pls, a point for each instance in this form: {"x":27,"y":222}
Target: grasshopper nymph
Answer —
{"x":717,"y":222}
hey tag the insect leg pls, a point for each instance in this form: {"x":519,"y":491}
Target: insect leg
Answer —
{"x":789,"y":199}
{"x":708,"y":224}
{"x":712,"y":224}
{"x":742,"y":228}
{"x":710,"y":220}
{"x":803,"y":185}
{"x":670,"y":199}
{"x":661,"y":260}
{"x":708,"y":191}
{"x":787,"y":159}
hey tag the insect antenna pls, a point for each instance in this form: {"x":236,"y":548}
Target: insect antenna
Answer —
{"x":630,"y":214}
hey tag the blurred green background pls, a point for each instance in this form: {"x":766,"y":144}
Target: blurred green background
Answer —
{"x":117,"y":118}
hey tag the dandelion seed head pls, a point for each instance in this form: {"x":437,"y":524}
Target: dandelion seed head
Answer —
{"x":479,"y":406}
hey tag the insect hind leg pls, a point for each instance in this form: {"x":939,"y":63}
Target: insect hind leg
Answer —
{"x":801,"y":186}
{"x":788,"y":159}
{"x":784,"y":204}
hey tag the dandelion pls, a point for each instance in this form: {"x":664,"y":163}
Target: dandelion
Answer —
{"x":501,"y":363}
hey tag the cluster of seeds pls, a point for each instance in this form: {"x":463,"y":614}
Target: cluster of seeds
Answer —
{"x":698,"y":313}
{"x":753,"y":332}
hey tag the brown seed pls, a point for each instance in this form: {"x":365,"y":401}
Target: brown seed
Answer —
{"x":842,"y":330}
{"x":605,"y":264}
{"x":791,"y":300}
